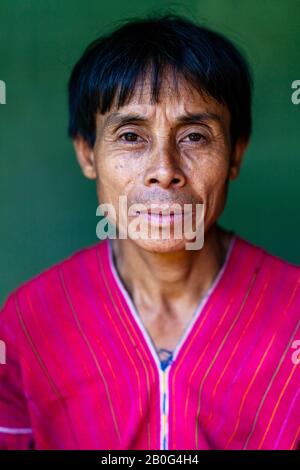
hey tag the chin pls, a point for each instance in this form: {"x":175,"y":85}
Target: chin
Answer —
{"x":161,"y":245}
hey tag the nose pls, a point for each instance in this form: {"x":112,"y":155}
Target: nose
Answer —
{"x":163,"y":171}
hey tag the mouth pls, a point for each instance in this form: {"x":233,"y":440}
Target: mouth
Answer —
{"x":163,"y":216}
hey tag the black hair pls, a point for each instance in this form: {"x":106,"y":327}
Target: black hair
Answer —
{"x":111,"y":65}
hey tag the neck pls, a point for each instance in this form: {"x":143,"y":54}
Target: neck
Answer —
{"x":170,"y":282}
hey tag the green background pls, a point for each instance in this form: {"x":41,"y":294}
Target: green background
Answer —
{"x":48,"y":208}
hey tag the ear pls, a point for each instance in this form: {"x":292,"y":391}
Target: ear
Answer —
{"x":236,"y":158}
{"x":85,"y":157}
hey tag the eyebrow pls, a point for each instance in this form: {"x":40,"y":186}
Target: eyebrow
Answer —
{"x":118,"y":119}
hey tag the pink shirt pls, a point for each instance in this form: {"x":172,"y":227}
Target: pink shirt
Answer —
{"x":82,"y":371}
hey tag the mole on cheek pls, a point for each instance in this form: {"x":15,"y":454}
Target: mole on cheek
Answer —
{"x":119,"y":166}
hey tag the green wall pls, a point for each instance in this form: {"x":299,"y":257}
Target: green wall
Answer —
{"x":48,"y":207}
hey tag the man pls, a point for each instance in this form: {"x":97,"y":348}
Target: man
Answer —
{"x":138,"y":342}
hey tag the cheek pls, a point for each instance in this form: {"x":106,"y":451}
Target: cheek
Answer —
{"x":216,"y":192}
{"x":113,"y":178}
{"x":209,"y":177}
{"x":209,"y":181}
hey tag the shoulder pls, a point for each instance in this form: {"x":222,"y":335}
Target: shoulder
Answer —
{"x":269,"y":262}
{"x":46,"y":287}
{"x":275,"y":279}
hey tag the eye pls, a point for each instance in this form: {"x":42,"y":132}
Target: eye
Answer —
{"x":195,"y":137}
{"x":130,"y":137}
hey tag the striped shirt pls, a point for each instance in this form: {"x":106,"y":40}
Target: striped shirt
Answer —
{"x":82,"y":371}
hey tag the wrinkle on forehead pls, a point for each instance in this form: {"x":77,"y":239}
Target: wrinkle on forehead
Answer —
{"x":176,"y":97}
{"x":171,"y":88}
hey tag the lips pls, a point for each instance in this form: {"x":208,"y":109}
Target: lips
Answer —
{"x":163,"y":211}
{"x":162,"y":216}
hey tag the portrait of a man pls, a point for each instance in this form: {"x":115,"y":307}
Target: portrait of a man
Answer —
{"x":142,"y":342}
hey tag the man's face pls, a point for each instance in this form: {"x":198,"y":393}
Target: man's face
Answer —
{"x":178,"y":151}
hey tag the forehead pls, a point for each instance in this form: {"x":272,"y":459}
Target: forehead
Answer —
{"x":176,"y":98}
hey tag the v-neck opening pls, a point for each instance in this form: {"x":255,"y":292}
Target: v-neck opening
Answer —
{"x":189,"y":327}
